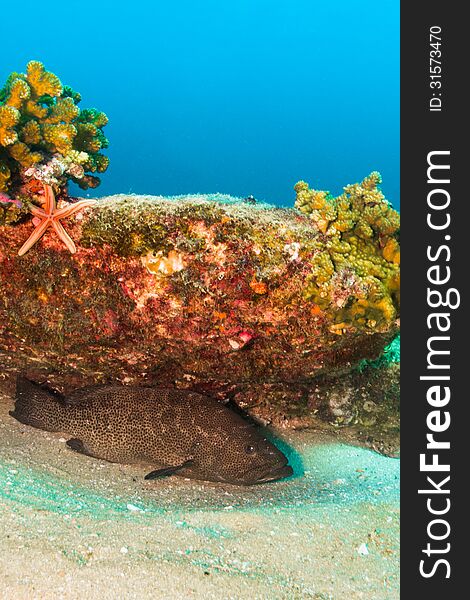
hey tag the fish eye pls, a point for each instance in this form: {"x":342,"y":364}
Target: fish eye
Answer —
{"x":250,"y":449}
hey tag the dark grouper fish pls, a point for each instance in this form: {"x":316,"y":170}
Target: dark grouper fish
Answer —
{"x":175,"y":431}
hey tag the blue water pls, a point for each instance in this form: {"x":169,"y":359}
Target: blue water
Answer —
{"x":241,"y":97}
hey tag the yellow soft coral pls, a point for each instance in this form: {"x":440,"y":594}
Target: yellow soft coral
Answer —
{"x":9,"y":117}
{"x":355,"y":271}
{"x":86,"y":137}
{"x":19,"y":92}
{"x":31,"y":133}
{"x":22,"y":153}
{"x":391,"y":251}
{"x":316,"y":204}
{"x":63,"y":111}
{"x":59,"y":136}
{"x":101,"y":162}
{"x":42,"y":82}
{"x":44,"y":135}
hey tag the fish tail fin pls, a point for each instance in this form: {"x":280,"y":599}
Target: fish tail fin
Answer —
{"x":36,"y":406}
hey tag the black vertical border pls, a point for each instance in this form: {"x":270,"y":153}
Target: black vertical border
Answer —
{"x":423,"y":131}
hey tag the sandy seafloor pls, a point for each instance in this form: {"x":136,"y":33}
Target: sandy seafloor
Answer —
{"x":75,"y":527}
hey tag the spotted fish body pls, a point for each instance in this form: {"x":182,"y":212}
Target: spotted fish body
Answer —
{"x":173,"y":430}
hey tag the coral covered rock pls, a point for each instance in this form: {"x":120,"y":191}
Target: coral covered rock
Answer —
{"x":203,"y":292}
{"x":45,"y":136}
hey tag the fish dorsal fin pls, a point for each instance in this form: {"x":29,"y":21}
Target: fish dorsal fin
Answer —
{"x":168,"y":470}
{"x":86,"y":394}
{"x":29,"y":388}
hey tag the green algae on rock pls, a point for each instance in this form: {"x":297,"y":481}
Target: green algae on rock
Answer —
{"x":203,"y":292}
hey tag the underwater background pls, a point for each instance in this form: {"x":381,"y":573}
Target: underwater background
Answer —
{"x":223,"y":99}
{"x":241,"y":97}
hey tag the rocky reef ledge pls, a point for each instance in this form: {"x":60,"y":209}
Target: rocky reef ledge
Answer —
{"x":274,"y":308}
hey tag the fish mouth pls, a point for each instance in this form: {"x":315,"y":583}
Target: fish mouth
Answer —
{"x":275,"y":473}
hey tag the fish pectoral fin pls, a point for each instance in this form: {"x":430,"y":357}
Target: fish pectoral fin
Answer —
{"x":168,"y":470}
{"x":161,"y":472}
{"x":78,"y":446}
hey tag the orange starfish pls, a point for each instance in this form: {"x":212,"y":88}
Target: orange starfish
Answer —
{"x":50,"y":217}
